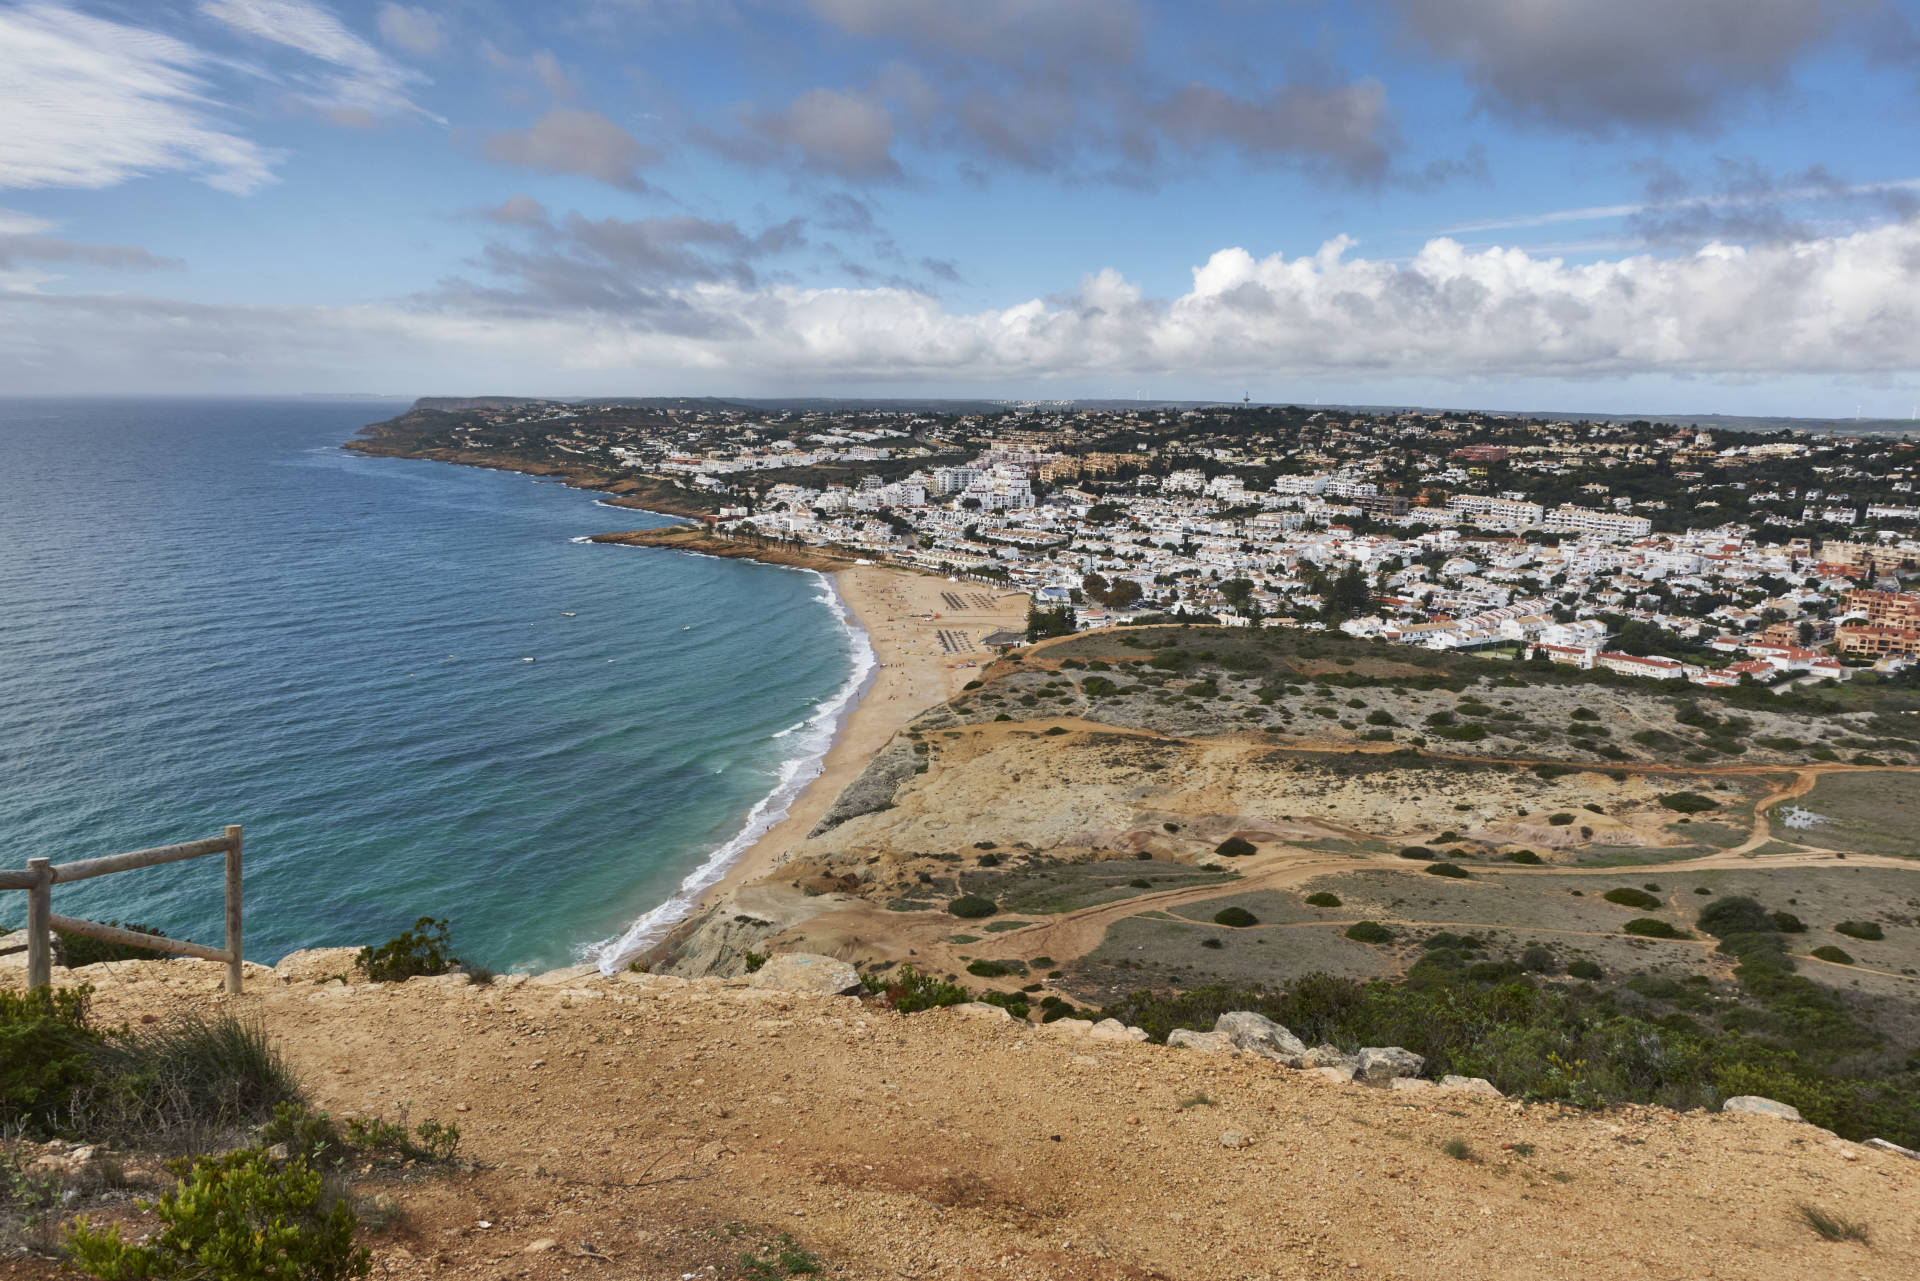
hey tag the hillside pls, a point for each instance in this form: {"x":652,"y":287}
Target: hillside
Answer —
{"x":647,"y":1127}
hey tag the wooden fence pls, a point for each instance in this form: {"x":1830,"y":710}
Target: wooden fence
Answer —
{"x":40,"y":876}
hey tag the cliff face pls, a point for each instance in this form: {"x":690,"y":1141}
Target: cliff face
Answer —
{"x":664,"y":1126}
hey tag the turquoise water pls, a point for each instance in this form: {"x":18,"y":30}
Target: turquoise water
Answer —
{"x":211,"y":614}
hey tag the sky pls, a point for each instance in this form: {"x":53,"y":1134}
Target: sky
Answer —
{"x":1685,"y":206}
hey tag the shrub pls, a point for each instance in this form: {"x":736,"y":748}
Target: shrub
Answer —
{"x":1419,"y":852}
{"x":1626,"y":896}
{"x":754,"y":960}
{"x":1537,"y":959}
{"x":1212,"y":943}
{"x":46,"y":1052}
{"x":1735,"y":914}
{"x":1369,"y":932}
{"x":1689,"y":802}
{"x":1054,"y":731}
{"x":1238,"y":917}
{"x":1832,"y":953}
{"x":238,"y":1217}
{"x":1379,"y":717}
{"x":1652,"y":928}
{"x":1525,"y":857}
{"x":1585,"y":714}
{"x":1098,"y":687}
{"x":1585,"y":970}
{"x":1140,"y":883}
{"x":1234,"y":847}
{"x":1323,"y":899}
{"x":970,"y":907}
{"x":911,"y":991}
{"x":1451,"y":870}
{"x":1560,"y":820}
{"x":1866,"y":930}
{"x":82,"y":950}
{"x":971,"y":685}
{"x":989,"y":969}
{"x":424,"y":949}
{"x":1788,"y":923}
{"x":989,"y":860}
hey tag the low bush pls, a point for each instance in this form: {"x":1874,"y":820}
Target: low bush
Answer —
{"x":984,"y":969}
{"x":1234,"y":847}
{"x":1419,"y":852}
{"x":1537,"y":959}
{"x":1866,"y":930}
{"x":425,"y":949}
{"x":1323,"y":899}
{"x":1832,"y":953}
{"x":1524,"y":857}
{"x":47,"y":1050}
{"x":82,"y":950}
{"x":1451,"y":870}
{"x":989,"y":860}
{"x":1560,"y":820}
{"x":1369,"y":932}
{"x":1626,"y":896}
{"x":1735,"y":914}
{"x":971,"y":907}
{"x":1213,"y":943}
{"x":1585,"y":970}
{"x":909,"y":991}
{"x":1653,"y":928}
{"x":237,"y":1217}
{"x":1689,"y":802}
{"x":1237,"y":917}
{"x":1788,"y":923}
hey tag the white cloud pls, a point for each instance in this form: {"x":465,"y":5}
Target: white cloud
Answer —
{"x":418,"y":31}
{"x":90,"y":103}
{"x":363,"y":85}
{"x":1842,"y":306}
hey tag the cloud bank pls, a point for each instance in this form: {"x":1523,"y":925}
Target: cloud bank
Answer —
{"x":1839,"y":305}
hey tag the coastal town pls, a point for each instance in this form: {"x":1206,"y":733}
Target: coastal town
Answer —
{"x":1650,"y":550}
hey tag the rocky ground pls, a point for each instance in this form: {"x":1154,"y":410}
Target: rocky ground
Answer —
{"x":649,"y":1127}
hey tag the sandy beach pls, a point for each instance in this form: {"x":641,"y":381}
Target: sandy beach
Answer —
{"x":903,"y":614}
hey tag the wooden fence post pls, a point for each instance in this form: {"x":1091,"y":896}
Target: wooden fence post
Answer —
{"x":39,"y":928}
{"x":233,"y":910}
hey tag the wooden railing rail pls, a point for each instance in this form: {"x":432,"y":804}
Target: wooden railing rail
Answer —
{"x":40,"y":876}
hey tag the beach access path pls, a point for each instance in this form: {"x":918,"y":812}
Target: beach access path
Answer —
{"x":925,"y":632}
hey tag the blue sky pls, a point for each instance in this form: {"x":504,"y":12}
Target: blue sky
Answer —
{"x":1679,"y":205}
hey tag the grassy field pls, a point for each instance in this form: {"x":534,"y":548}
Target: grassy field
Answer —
{"x":1867,"y":813}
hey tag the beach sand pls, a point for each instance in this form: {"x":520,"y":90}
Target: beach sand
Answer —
{"x":915,"y":673}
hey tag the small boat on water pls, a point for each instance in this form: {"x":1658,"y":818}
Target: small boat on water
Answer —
{"x":526,"y":660}
{"x":566,"y":613}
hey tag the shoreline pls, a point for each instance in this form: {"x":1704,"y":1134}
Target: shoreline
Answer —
{"x":899,"y":613}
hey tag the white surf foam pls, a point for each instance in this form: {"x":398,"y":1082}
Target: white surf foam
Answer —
{"x":815,"y":737}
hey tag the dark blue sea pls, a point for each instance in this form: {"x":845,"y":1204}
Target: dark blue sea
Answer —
{"x":210,"y":613}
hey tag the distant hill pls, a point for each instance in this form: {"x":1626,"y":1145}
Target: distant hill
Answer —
{"x":943,"y":405}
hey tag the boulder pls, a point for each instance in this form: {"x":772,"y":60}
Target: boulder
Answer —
{"x":1470,"y":1085}
{"x":1115,"y":1030}
{"x":1754,"y":1105}
{"x":1338,"y":1075}
{"x":1886,"y":1145}
{"x":1331,"y":1056}
{"x":1410,"y":1084}
{"x":1381,"y":1064}
{"x":982,"y":1010}
{"x":1183,"y":1038}
{"x":1233,"y":1140}
{"x":1257,"y":1034}
{"x":807,"y":972}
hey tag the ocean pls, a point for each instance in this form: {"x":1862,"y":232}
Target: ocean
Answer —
{"x":212,"y":614}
